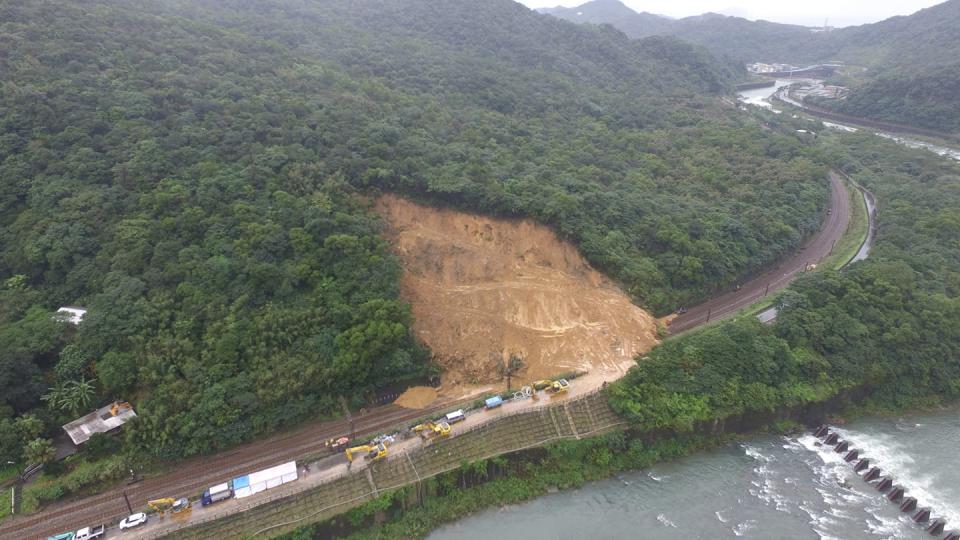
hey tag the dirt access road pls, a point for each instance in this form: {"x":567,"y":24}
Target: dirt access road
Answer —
{"x":812,"y":251}
{"x":196,"y":474}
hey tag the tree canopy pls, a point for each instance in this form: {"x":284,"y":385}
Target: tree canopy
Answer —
{"x":198,"y":175}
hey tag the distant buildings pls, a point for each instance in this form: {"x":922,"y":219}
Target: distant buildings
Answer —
{"x":821,"y":90}
{"x":817,"y":71}
{"x":760,"y":67}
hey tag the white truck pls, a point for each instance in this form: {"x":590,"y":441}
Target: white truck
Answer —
{"x":217,"y":493}
{"x":87,"y":533}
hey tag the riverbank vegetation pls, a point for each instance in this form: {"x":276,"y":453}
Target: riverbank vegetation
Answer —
{"x":197,"y":176}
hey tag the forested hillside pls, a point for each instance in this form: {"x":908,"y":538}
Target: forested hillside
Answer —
{"x":888,"y":326}
{"x":913,"y":73}
{"x":197,"y":174}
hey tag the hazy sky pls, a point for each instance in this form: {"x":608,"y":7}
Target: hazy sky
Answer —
{"x":809,"y":12}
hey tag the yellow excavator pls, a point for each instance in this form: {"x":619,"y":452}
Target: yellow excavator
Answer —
{"x":161,"y":506}
{"x":433,"y":430}
{"x":118,"y":407}
{"x":541,"y":384}
{"x":374,"y":452}
{"x":558,"y":387}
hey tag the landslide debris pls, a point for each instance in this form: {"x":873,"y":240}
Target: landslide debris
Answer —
{"x":416,"y":397}
{"x":485,"y":289}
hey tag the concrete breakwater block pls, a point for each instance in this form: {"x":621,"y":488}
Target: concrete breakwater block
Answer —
{"x":832,"y":439}
{"x":872,"y":474}
{"x":909,"y":504}
{"x":896,"y":494}
{"x":935,"y":528}
{"x":952,"y":535}
{"x":884,"y":484}
{"x":922,"y":516}
{"x":862,"y":464}
{"x":841,"y":447}
{"x":852,"y":455}
{"x":821,"y":432}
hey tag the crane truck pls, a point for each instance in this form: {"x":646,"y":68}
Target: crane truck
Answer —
{"x":161,"y":506}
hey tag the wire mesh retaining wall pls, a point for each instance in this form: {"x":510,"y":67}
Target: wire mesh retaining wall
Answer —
{"x":293,"y":505}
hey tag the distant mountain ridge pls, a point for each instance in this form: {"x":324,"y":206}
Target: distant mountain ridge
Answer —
{"x":929,"y":34}
{"x":913,"y":61}
{"x":615,"y":13}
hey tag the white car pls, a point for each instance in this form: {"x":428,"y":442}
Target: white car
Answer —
{"x":133,"y":520}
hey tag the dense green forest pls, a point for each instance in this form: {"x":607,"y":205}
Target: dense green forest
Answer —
{"x":890,"y":324}
{"x":913,"y":74}
{"x":198,"y":175}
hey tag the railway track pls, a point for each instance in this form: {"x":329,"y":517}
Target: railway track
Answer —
{"x":196,"y":474}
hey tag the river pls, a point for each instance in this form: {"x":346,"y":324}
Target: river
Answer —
{"x":761,"y":98}
{"x":768,"y":487}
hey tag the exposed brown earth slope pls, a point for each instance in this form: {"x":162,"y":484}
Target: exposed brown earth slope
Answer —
{"x":484,"y":289}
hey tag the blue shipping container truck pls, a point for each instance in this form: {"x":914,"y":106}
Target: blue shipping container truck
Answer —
{"x":494,"y":402}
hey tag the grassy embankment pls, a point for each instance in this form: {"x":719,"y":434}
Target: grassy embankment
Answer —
{"x":7,"y":473}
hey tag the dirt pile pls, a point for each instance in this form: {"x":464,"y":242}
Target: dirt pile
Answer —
{"x":484,"y":289}
{"x":416,"y":397}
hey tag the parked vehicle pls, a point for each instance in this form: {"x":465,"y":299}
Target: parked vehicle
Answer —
{"x":493,"y":403}
{"x":88,"y":533}
{"x":180,"y":505}
{"x":456,"y":416}
{"x":249,"y":484}
{"x":338,"y":445}
{"x":62,"y":536}
{"x":217,"y":493}
{"x":133,"y":520}
{"x":558,"y":387}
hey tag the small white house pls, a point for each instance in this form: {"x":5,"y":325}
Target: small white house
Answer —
{"x":71,"y":314}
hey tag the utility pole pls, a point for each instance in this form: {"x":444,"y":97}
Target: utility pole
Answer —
{"x":346,"y":411}
{"x":127,"y":500}
{"x":709,"y":311}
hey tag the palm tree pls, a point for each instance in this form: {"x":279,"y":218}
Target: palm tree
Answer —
{"x":72,"y":396}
